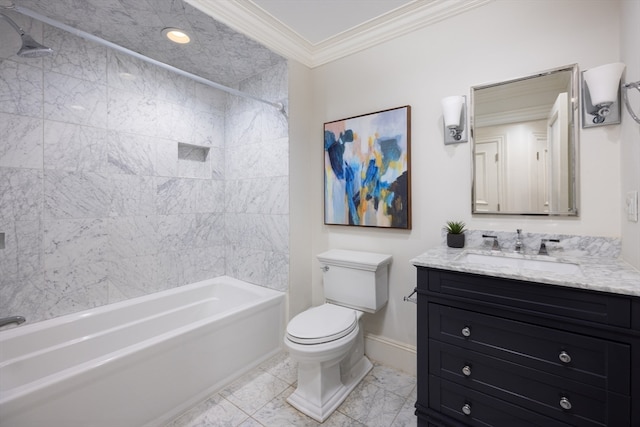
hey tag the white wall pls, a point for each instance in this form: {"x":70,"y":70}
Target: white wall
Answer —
{"x":630,"y":138}
{"x":502,"y":40}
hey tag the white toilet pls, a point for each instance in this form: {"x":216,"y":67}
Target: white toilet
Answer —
{"x":327,"y":341}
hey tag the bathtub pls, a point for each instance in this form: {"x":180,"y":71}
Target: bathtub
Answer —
{"x":138,"y":362}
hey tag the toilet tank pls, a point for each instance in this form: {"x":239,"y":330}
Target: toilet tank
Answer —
{"x":356,"y":279}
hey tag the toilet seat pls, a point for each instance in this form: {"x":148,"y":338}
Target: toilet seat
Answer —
{"x":322,"y":324}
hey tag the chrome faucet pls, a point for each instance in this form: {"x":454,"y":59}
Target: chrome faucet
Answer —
{"x":12,"y":319}
{"x":543,"y":246}
{"x":519,"y":245}
{"x":496,"y":245}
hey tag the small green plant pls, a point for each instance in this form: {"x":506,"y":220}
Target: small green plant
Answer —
{"x":455,"y":227}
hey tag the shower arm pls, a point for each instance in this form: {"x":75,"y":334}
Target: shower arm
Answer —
{"x":87,"y":36}
{"x":13,"y":24}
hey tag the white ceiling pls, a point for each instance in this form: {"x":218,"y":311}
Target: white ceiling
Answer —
{"x":294,"y":28}
{"x":319,"y":20}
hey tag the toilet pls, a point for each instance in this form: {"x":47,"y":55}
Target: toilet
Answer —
{"x":327,"y":341}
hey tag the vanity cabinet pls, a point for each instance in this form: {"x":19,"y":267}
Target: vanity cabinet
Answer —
{"x":502,"y":352}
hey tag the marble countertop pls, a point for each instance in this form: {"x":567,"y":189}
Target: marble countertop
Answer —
{"x":603,"y":274}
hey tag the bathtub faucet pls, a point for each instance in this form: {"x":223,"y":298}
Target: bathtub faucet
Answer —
{"x":12,"y":319}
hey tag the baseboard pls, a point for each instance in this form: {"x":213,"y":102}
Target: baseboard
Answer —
{"x":391,"y":353}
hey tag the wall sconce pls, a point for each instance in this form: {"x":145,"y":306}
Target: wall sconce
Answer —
{"x":601,"y":95}
{"x":454,"y":113}
{"x":625,"y":94}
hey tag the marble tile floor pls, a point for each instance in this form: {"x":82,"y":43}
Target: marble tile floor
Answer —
{"x":385,"y":398}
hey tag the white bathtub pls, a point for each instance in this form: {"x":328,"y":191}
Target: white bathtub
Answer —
{"x":138,"y":362}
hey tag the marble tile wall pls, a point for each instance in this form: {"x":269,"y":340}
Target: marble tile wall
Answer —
{"x":257,"y":183}
{"x":95,"y":201}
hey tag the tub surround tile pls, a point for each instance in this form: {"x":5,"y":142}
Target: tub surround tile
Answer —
{"x":95,"y":201}
{"x":74,"y":278}
{"x":21,"y":87}
{"x":246,"y":264}
{"x":276,"y":271}
{"x":260,"y":195}
{"x":132,"y":75}
{"x":174,"y":122}
{"x":76,"y":194}
{"x":174,"y":88}
{"x":133,"y":236}
{"x":176,"y":195}
{"x":75,"y":241}
{"x":257,"y":160}
{"x":75,"y":57}
{"x":135,"y":277}
{"x":130,"y":154}
{"x":21,"y":194}
{"x":72,"y":147}
{"x":264,"y":232}
{"x":55,"y":305}
{"x":72,"y":100}
{"x":21,"y":141}
{"x":132,"y":113}
{"x":22,"y":298}
{"x":166,"y":158}
{"x":208,"y":129}
{"x":132,"y":195}
{"x":243,"y":128}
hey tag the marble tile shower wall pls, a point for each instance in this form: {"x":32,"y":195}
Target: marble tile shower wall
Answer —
{"x":257,"y":183}
{"x":96,"y":204}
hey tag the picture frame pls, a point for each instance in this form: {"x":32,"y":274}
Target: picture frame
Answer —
{"x":367,"y":170}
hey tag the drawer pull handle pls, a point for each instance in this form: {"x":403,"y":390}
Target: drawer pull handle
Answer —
{"x":565,"y":404}
{"x":466,"y":331}
{"x":466,"y":409}
{"x":466,"y":370}
{"x":564,"y":357}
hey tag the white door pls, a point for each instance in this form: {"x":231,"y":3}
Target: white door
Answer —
{"x":558,"y":143}
{"x":487,"y":175}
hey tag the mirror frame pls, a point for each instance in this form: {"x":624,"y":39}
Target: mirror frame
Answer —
{"x":574,"y":133}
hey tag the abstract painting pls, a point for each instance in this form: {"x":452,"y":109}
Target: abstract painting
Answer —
{"x":366,"y":170}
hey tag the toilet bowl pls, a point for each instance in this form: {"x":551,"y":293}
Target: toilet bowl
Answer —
{"x":327,"y":341}
{"x":330,"y":356}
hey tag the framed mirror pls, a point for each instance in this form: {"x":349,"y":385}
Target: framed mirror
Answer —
{"x":524,"y":135}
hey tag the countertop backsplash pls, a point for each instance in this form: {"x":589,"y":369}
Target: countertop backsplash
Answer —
{"x":569,"y":245}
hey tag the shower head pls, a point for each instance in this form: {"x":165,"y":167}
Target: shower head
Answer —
{"x":30,"y":48}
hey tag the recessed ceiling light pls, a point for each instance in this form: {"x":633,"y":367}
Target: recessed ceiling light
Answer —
{"x":176,"y":35}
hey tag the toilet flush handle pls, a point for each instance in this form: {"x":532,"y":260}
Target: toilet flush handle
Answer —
{"x":324,"y":268}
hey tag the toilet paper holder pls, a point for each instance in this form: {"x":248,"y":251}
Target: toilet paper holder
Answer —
{"x":408,"y":297}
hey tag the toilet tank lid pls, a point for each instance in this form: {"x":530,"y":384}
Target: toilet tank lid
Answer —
{"x":354,"y":259}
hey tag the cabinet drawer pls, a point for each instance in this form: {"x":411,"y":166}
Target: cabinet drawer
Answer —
{"x":593,"y":361}
{"x":566,"y":302}
{"x":529,"y":388}
{"x":477,"y":409}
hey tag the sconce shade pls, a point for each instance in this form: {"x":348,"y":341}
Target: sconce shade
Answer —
{"x":604,"y":83}
{"x":451,"y":109}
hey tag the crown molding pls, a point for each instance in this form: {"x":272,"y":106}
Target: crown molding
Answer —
{"x":246,"y":17}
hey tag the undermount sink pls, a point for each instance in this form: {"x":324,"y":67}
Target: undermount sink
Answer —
{"x":519,"y":262}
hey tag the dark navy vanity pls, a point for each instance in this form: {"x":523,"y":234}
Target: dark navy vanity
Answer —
{"x":494,"y":350}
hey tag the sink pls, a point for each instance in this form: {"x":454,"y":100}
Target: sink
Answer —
{"x":518,"y":262}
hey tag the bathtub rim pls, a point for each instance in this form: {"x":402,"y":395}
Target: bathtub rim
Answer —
{"x":269,"y":298}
